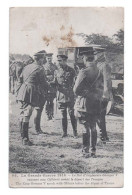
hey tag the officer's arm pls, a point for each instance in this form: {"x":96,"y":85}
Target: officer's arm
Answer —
{"x":74,"y":76}
{"x":19,"y":72}
{"x":42,"y":81}
{"x":20,"y":78}
{"x":79,"y":83}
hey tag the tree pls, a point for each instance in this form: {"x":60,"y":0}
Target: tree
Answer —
{"x":120,"y":37}
{"x":106,"y":42}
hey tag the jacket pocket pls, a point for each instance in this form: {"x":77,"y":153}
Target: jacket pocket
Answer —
{"x":80,"y":104}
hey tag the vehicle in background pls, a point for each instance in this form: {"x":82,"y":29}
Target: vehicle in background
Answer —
{"x":75,"y":60}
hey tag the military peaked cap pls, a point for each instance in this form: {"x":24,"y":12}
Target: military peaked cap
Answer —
{"x":40,"y":53}
{"x":61,"y":57}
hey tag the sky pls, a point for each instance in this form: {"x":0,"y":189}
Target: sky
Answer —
{"x":35,"y":29}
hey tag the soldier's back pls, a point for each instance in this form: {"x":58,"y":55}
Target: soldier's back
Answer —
{"x":31,"y":73}
{"x":33,"y":85}
{"x":89,"y":88}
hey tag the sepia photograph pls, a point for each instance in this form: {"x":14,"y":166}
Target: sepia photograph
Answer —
{"x":66,"y":97}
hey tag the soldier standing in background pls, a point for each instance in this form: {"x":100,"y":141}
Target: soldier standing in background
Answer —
{"x":18,"y":70}
{"x":12,"y":74}
{"x":89,"y":90}
{"x":50,"y":68}
{"x":32,"y":94}
{"x":64,"y":80}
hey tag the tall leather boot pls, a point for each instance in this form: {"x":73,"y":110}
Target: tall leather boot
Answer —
{"x":74,"y":125}
{"x":37,"y":119}
{"x":21,"y":129}
{"x":102,"y":122}
{"x":25,"y":138}
{"x":86,"y":144}
{"x":48,"y":110}
{"x":64,"y":127}
{"x":93,"y":141}
{"x":103,"y":128}
{"x":102,"y":125}
{"x":51,"y":109}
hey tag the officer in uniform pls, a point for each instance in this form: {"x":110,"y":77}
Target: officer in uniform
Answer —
{"x":38,"y":110}
{"x":32,"y":94}
{"x":50,"y":68}
{"x":102,"y":64}
{"x":89,"y":90}
{"x":64,"y":80}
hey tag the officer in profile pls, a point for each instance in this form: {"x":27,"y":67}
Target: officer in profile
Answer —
{"x":50,"y":68}
{"x":32,"y":94}
{"x":64,"y":81}
{"x":89,"y":90}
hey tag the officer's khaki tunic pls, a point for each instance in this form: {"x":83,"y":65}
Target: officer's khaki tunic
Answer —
{"x":64,"y":78}
{"x":33,"y":89}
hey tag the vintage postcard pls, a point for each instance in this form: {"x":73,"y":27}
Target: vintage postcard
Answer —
{"x":66,"y":97}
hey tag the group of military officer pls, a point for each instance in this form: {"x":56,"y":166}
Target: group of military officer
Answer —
{"x":39,"y":83}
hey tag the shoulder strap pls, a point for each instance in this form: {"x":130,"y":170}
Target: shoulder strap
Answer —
{"x":98,"y":75}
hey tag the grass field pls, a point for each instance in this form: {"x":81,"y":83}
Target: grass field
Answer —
{"x":52,"y":154}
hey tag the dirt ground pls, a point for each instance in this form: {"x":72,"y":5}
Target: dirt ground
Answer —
{"x":52,"y":154}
